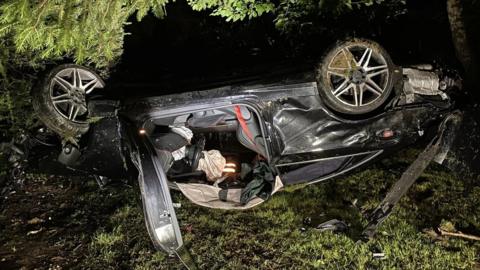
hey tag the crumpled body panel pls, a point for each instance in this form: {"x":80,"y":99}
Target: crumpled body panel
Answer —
{"x":307,"y":127}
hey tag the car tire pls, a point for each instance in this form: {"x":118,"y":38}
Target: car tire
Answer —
{"x":355,"y":77}
{"x":60,"y":98}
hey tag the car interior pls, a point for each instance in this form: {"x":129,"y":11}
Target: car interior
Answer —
{"x":215,"y":147}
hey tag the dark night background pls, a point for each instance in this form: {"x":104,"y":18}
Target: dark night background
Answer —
{"x":190,"y":50}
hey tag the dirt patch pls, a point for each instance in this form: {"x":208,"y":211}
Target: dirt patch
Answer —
{"x":46,"y":222}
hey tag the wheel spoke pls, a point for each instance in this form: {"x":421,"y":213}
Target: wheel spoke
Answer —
{"x":71,"y":111}
{"x":63,"y":83}
{"x":373,"y":74}
{"x":373,"y":90}
{"x":365,"y":59}
{"x":74,"y":77}
{"x":61,"y":101}
{"x":77,"y":109}
{"x":351,"y":85}
{"x":336,"y":73}
{"x":355,"y":95}
{"x":83,"y":108}
{"x":90,"y":86}
{"x":368,"y":69}
{"x":360,"y":98}
{"x":374,"y":85}
{"x":340,"y":87}
{"x":77,"y":80}
{"x":63,"y":97}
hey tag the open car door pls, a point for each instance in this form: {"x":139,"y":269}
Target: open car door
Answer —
{"x":158,"y":209}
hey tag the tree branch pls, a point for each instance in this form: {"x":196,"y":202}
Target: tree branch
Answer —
{"x":459,"y":234}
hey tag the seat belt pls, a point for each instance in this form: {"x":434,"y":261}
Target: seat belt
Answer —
{"x":243,"y":124}
{"x":246,"y":130}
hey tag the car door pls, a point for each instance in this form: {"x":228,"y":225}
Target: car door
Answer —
{"x":158,"y":208}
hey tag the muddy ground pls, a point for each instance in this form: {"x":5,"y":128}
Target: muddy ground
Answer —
{"x":49,"y":222}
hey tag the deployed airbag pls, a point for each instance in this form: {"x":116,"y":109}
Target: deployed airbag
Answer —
{"x":212,"y":163}
{"x":215,"y":197}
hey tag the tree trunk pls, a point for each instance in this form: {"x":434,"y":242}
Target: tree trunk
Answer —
{"x":460,"y":39}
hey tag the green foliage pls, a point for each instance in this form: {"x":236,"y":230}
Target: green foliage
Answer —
{"x":88,"y":31}
{"x":290,"y":15}
{"x":15,"y":102}
{"x":15,"y":106}
{"x":16,"y":81}
{"x":337,"y":18}
{"x":234,"y":10}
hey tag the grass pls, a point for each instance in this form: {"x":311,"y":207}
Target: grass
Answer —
{"x":89,"y":228}
{"x":276,"y":236}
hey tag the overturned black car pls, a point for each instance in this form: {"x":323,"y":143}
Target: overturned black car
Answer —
{"x":234,"y":146}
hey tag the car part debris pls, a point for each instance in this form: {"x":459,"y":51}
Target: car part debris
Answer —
{"x":158,"y":208}
{"x":400,"y":188}
{"x":461,"y":153}
{"x":34,"y":232}
{"x":69,"y":155}
{"x":102,"y":181}
{"x":334,"y":225}
{"x":378,"y":255}
{"x":422,"y":82}
{"x":428,"y":82}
